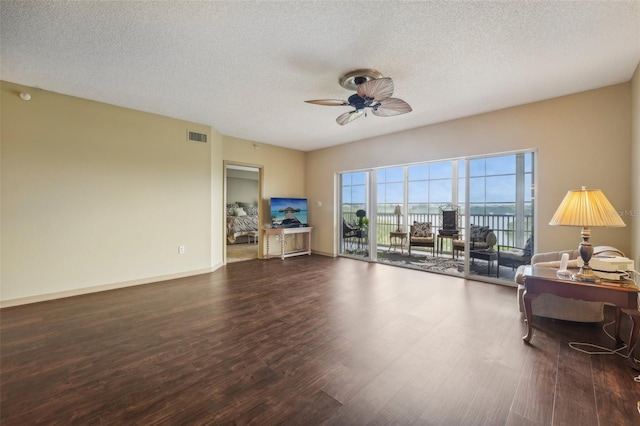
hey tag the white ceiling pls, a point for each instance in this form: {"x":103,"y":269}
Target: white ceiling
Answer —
{"x":246,"y":67}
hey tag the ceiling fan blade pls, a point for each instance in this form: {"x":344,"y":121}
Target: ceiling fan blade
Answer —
{"x":378,"y":89}
{"x":392,"y":106}
{"x":328,"y":102}
{"x":348,"y":117}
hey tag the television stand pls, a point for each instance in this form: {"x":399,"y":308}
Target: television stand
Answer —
{"x":286,"y":232}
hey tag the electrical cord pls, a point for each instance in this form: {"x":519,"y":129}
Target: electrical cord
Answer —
{"x":600,"y":350}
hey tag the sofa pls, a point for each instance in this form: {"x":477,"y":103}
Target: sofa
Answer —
{"x":552,"y":306}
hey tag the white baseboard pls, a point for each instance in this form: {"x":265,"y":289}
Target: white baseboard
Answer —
{"x":103,"y":287}
{"x":322,"y":253}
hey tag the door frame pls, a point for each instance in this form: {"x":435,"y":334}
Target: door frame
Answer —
{"x":260,"y":169}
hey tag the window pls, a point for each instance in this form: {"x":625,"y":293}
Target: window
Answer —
{"x":354,"y":194}
{"x":429,"y":187}
{"x":499,"y":188}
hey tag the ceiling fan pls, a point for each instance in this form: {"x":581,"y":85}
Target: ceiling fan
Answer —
{"x":372,"y":91}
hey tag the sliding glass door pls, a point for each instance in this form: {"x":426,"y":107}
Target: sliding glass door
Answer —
{"x":354,"y":214}
{"x":500,"y":189}
{"x":488,"y":202}
{"x":409,"y":201}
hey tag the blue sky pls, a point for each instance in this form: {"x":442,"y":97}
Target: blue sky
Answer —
{"x":492,"y":180}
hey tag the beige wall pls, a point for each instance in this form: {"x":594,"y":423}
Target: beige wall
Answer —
{"x":96,"y":196}
{"x":283,"y":175}
{"x":242,"y":190}
{"x":284,"y":169}
{"x":581,"y":139}
{"x":633,"y":218}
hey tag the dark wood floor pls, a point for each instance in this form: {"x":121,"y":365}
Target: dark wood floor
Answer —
{"x":311,"y":340}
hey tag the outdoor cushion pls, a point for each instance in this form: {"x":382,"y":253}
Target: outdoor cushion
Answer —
{"x":513,"y":254}
{"x":421,"y":229}
{"x":479,"y":232}
{"x":528,"y":247}
{"x":421,"y":239}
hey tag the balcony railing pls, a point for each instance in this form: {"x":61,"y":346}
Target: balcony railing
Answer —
{"x":504,"y":226}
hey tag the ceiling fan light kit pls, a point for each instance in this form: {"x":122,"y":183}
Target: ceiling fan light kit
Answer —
{"x":353,"y":79}
{"x":372,"y":91}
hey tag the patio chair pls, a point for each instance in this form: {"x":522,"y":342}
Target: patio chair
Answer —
{"x":449,"y":219}
{"x":349,"y":231}
{"x":421,"y":235}
{"x":352,"y":233}
{"x":515,"y":256}
{"x":482,"y":238}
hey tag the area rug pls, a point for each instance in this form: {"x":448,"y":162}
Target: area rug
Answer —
{"x":425,"y":263}
{"x":441,"y":265}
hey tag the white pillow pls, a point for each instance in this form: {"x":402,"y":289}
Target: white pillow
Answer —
{"x":240,"y":212}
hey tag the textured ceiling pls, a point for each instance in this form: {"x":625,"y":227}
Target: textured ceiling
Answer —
{"x":246,"y":67}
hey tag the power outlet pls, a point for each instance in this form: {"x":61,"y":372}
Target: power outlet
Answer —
{"x":180,"y":249}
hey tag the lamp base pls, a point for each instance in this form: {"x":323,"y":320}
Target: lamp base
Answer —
{"x":586,"y":275}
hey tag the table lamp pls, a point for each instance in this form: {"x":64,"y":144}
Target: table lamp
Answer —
{"x":586,"y":208}
{"x":398,"y":212}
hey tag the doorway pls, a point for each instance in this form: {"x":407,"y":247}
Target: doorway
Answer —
{"x":243,"y":195}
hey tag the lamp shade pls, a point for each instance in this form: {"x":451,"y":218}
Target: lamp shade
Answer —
{"x":586,"y":207}
{"x":397,"y":211}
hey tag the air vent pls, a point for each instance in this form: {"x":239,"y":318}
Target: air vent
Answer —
{"x":196,"y":137}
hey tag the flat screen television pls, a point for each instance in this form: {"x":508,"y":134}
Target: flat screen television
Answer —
{"x":288,"y":212}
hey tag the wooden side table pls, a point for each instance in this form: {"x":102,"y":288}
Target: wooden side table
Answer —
{"x":622,"y":294}
{"x":485,"y":254}
{"x":635,"y":328}
{"x":400,"y":237}
{"x":283,"y":233}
